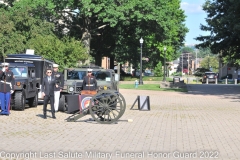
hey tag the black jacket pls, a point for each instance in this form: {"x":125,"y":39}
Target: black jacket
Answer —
{"x":89,"y":83}
{"x":9,"y":77}
{"x":48,"y":88}
{"x":5,"y":86}
{"x":59,"y":80}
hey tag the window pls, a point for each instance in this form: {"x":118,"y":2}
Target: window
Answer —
{"x":78,"y":75}
{"x":19,"y":71}
{"x":102,"y":76}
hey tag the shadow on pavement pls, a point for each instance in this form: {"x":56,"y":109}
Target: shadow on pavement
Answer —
{"x":224,"y":91}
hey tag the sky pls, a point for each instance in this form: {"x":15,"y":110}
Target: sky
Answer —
{"x":195,"y":17}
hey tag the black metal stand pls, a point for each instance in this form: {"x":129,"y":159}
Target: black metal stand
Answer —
{"x":142,"y":107}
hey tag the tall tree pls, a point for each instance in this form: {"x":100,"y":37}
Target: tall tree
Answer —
{"x":224,"y":27}
{"x":113,"y":28}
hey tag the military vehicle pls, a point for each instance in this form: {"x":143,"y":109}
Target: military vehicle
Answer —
{"x":26,"y":85}
{"x":29,"y":71}
{"x":107,"y":79}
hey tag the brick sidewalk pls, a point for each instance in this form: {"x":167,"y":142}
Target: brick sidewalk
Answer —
{"x":179,"y":124}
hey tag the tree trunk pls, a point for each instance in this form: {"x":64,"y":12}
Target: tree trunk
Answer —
{"x":86,"y":38}
{"x":112,"y":62}
{"x":98,"y":60}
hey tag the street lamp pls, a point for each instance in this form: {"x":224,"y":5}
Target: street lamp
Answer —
{"x":164,"y":78}
{"x":140,"y":80}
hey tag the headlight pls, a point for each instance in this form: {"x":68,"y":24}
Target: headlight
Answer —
{"x":100,"y":88}
{"x":104,"y":88}
{"x":71,"y":89}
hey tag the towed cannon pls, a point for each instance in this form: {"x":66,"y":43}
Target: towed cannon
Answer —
{"x":105,"y":107}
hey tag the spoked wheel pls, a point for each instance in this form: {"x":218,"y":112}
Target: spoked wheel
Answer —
{"x":107,"y":107}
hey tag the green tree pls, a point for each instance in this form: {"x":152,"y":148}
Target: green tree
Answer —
{"x":210,"y":62}
{"x":109,"y":28}
{"x":66,"y":52}
{"x":24,"y":26}
{"x":11,"y":40}
{"x":224,"y":27}
{"x":114,"y":28}
{"x":158,"y":70}
{"x":186,"y":50}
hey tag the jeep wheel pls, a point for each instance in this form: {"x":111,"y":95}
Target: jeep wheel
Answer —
{"x":19,"y":100}
{"x":33,"y":102}
{"x":62,"y":103}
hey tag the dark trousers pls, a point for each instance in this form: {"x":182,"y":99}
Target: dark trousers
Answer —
{"x":46,"y":99}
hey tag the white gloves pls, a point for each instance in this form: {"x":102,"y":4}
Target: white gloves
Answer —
{"x":11,"y":91}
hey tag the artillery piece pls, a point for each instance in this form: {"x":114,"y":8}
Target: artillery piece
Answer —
{"x":105,"y":107}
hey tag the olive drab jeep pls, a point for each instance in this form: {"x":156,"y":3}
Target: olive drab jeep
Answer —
{"x":107,"y":79}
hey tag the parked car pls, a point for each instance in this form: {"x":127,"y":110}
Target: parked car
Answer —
{"x":211,"y":76}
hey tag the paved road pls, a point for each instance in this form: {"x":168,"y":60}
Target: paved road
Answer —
{"x":222,"y":90}
{"x":197,"y":124}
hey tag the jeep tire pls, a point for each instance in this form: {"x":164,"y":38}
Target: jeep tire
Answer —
{"x":19,"y":100}
{"x":33,"y":102}
{"x":62,"y":103}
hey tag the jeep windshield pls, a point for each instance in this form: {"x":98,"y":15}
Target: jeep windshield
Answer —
{"x":78,"y":75}
{"x":18,"y":71}
{"x":102,"y":75}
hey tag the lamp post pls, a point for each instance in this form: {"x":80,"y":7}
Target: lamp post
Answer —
{"x":140,"y":80}
{"x":164,"y":74}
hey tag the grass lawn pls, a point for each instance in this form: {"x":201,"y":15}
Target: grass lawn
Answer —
{"x":146,"y":78}
{"x":154,"y":87}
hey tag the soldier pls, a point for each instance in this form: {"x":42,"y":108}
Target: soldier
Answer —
{"x":1,"y":74}
{"x":89,"y":81}
{"x":60,"y":82}
{"x":6,"y":89}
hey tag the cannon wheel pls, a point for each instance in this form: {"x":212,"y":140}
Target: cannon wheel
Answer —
{"x":107,"y":107}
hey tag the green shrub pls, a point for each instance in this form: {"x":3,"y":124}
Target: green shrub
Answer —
{"x":158,"y":71}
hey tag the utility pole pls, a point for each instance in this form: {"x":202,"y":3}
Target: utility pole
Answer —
{"x":188,"y":65}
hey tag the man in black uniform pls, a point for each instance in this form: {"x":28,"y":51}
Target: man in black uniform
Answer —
{"x":6,"y":88}
{"x":48,"y":85}
{"x":89,"y":81}
{"x":60,"y":81}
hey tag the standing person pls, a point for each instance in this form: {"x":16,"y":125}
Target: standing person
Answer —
{"x":48,"y":85}
{"x":1,"y":74}
{"x":89,"y":81}
{"x":6,"y":89}
{"x":60,"y":81}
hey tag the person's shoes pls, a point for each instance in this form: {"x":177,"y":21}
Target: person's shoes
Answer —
{"x":54,"y":117}
{"x":4,"y":114}
{"x":44,"y":117}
